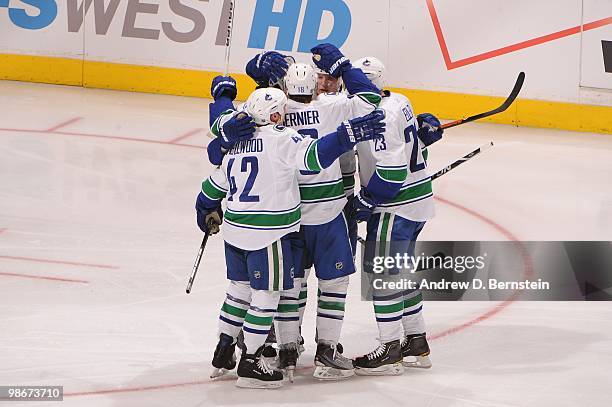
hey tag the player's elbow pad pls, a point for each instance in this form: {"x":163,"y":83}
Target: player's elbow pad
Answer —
{"x":215,"y":155}
{"x":218,"y":107}
{"x":357,"y":82}
{"x":330,"y":148}
{"x":382,"y":191}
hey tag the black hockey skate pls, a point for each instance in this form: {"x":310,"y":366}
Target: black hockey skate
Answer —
{"x":224,"y":358}
{"x":386,"y":360}
{"x":330,"y":364}
{"x":268,"y":351}
{"x":287,"y":359}
{"x":254,"y":372}
{"x":415,"y":351}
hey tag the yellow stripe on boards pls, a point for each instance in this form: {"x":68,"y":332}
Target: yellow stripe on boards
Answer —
{"x":188,"y":82}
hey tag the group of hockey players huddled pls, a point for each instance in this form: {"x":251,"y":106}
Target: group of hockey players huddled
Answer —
{"x":286,"y":161}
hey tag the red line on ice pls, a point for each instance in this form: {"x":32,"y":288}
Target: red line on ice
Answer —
{"x":450,"y":64}
{"x":64,"y":124}
{"x":64,"y":262}
{"x":184,"y":136}
{"x":64,"y":280}
{"x":65,"y":133}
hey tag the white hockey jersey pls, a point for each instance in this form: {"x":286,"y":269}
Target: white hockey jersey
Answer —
{"x":322,"y":193}
{"x":398,"y":153}
{"x":258,"y":177}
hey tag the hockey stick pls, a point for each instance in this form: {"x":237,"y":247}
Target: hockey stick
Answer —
{"x":461,"y":160}
{"x":504,"y":106}
{"x":451,"y":167}
{"x":196,"y":265}
{"x":228,"y":40}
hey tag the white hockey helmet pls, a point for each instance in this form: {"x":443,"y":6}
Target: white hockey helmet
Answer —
{"x":301,"y":79}
{"x":374,"y":70}
{"x":264,"y":102}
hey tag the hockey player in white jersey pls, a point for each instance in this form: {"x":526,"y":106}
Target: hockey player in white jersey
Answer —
{"x":258,"y":178}
{"x":396,"y":200}
{"x":324,"y":228}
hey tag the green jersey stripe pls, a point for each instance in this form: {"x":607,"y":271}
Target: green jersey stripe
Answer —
{"x":388,"y":309}
{"x":392,"y":175}
{"x":383,"y":234}
{"x":410,"y":193}
{"x":288,"y":308}
{"x":312,"y":158}
{"x":237,"y":312}
{"x":255,"y":320}
{"x":211,"y":191}
{"x":315,"y":192}
{"x":411,"y":302}
{"x":276,"y":261}
{"x":370,"y":97}
{"x":264,"y":219}
{"x":330,"y":305}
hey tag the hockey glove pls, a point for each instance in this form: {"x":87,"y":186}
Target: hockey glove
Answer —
{"x":368,"y":127}
{"x":238,"y":128}
{"x":330,"y":59}
{"x":362,"y":206}
{"x":267,"y":68}
{"x":429,"y":129}
{"x":208,"y":220}
{"x":223,"y":86}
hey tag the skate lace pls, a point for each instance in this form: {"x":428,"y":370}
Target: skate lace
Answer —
{"x":376,"y":352}
{"x":264,"y":366}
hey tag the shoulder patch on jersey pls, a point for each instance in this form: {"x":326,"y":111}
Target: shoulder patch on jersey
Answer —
{"x":279,"y":128}
{"x":331,"y":93}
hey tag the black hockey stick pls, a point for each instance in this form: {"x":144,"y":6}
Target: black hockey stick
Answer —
{"x":461,"y":160}
{"x":196,"y":265}
{"x":515,"y":91}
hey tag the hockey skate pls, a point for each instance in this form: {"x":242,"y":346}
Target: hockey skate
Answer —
{"x":330,"y":364}
{"x":287,"y":359}
{"x":224,"y":358}
{"x":255,"y":372}
{"x":415,"y":351}
{"x":268,"y":351}
{"x":386,"y":360}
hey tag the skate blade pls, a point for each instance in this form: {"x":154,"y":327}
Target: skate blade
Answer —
{"x":330,"y":373}
{"x":394,"y":369}
{"x":248,"y":383}
{"x":218,"y":373}
{"x":418,"y":362}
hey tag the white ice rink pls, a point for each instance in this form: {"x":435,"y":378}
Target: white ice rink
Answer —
{"x":98,"y":236}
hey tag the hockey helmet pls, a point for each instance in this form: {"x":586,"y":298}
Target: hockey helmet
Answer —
{"x":301,"y":79}
{"x":264,"y":102}
{"x":374,"y":70}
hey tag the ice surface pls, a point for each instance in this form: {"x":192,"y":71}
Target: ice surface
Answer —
{"x":98,"y":235}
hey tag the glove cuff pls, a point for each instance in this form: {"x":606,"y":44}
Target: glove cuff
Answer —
{"x":335,"y":70}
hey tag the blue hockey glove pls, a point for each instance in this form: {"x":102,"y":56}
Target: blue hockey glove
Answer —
{"x":368,"y":127}
{"x":362,"y":206}
{"x":238,"y":128}
{"x":223,"y":86}
{"x":330,"y":59}
{"x":208,"y":220}
{"x":429,"y":129}
{"x":267,"y":68}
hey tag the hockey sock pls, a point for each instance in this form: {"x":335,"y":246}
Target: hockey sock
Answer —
{"x":388,"y":309}
{"x":330,"y":309}
{"x":258,"y":319}
{"x":234,"y":309}
{"x":287,"y":319}
{"x":303,"y":295}
{"x":412,"y":318}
